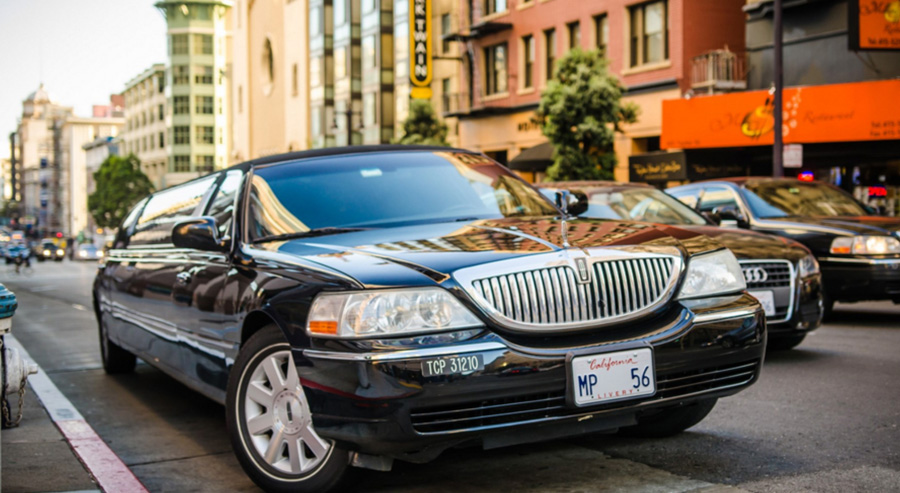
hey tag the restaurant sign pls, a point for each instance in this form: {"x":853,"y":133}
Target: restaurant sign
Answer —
{"x":420,"y":48}
{"x":874,"y":24}
{"x":657,"y":166}
{"x":852,"y":112}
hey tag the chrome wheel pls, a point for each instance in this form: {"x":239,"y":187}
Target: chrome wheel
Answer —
{"x":277,"y":419}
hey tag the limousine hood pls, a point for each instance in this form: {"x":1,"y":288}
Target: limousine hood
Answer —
{"x":392,"y":256}
{"x":749,"y":245}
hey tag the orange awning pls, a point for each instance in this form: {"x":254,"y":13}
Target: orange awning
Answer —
{"x":858,"y":111}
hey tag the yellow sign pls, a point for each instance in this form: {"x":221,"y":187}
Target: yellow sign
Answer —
{"x":420,"y":73}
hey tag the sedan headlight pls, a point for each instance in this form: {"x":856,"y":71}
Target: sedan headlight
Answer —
{"x":865,"y":245}
{"x":60,"y":252}
{"x":387,"y":313}
{"x":46,"y":253}
{"x":809,"y":266}
{"x":712,"y":274}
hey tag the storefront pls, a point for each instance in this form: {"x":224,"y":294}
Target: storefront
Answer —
{"x":848,"y":134}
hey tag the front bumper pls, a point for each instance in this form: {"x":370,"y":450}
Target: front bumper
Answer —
{"x":378,"y":402}
{"x":807,"y":310}
{"x":861,"y":279}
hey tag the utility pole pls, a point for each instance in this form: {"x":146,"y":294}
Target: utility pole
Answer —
{"x":778,"y":147}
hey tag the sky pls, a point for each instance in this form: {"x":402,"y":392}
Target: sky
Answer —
{"x":82,"y":50}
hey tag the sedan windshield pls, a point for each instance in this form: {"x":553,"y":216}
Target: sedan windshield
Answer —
{"x":781,"y":199}
{"x":639,"y":204}
{"x":338,"y":193}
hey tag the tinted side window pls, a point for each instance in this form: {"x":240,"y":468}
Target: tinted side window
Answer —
{"x":125,"y":229}
{"x":687,"y":197}
{"x":167,"y":207}
{"x":221,"y":208}
{"x":716,"y":197}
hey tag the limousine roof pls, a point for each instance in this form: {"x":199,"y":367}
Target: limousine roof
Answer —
{"x":340,"y":151}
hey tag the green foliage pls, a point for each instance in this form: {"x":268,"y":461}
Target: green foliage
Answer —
{"x":423,"y":126}
{"x":580,"y":111}
{"x":120,"y":184}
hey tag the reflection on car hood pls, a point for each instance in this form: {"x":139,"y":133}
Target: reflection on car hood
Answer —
{"x":437,"y":250}
{"x":750,"y":245}
{"x":855,"y":225}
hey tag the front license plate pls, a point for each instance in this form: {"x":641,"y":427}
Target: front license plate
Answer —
{"x":767,"y":300}
{"x":613,"y":376}
{"x":453,"y":365}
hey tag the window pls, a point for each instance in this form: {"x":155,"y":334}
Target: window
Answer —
{"x":445,"y":30}
{"x":574,"y":29}
{"x":204,"y":105}
{"x":182,"y":135}
{"x":340,"y":12}
{"x":295,"y":83}
{"x":495,"y":69}
{"x":162,"y":112}
{"x":205,"y":163}
{"x":315,"y":72}
{"x":179,"y":44}
{"x":528,"y":61}
{"x":161,"y":86}
{"x":315,"y":21}
{"x":222,"y":206}
{"x":203,"y":44}
{"x":162,"y":140}
{"x":182,"y":163}
{"x":205,"y":134}
{"x":203,"y":74}
{"x":494,"y":6}
{"x":340,"y":63}
{"x":368,"y":52}
{"x":369,"y":109}
{"x":166,"y":208}
{"x":181,"y":105}
{"x":716,"y":197}
{"x":180,"y":75}
{"x":550,"y":51}
{"x":601,"y":31}
{"x":649,"y":33}
{"x":269,"y":60}
{"x":240,"y":99}
{"x":445,"y":95}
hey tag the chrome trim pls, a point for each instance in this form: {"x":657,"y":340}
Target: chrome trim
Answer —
{"x":405,"y":354}
{"x":795,"y":295}
{"x":725,"y":315}
{"x":868,"y":261}
{"x":555,"y":276}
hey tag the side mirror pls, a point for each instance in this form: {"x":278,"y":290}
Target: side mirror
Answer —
{"x":712,"y":218}
{"x":199,"y":233}
{"x":572,"y":203}
{"x":730,"y":216}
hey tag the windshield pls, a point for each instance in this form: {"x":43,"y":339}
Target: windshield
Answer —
{"x":781,"y":199}
{"x":640,"y":204}
{"x":386,"y":189}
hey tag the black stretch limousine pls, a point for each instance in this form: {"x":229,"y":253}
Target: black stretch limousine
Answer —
{"x":355,"y":306}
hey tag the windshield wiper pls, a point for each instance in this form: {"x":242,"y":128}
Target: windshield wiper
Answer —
{"x":330,"y":230}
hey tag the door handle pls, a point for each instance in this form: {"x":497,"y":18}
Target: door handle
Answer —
{"x":184,"y":277}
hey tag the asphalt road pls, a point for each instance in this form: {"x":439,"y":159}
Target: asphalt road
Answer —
{"x":824,"y":417}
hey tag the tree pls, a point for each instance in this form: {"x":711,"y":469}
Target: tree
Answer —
{"x":580,"y":111}
{"x":423,"y":126}
{"x":120,"y":184}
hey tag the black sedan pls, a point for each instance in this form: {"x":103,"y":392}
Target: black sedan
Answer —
{"x":781,"y":273}
{"x":859,"y":254}
{"x":354,"y":306}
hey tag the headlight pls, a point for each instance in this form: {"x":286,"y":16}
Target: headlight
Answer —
{"x":99,"y":253}
{"x":809,"y":266}
{"x":398,"y":312}
{"x":712,"y":274}
{"x":865,"y":245}
{"x":46,"y":253}
{"x":60,"y":252}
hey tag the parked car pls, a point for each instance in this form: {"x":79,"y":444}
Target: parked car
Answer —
{"x":88,"y":251}
{"x":354,"y":306}
{"x":859,"y":253}
{"x":47,"y":249}
{"x":781,"y":273}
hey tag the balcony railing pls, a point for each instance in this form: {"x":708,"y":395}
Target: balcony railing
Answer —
{"x":719,"y":70}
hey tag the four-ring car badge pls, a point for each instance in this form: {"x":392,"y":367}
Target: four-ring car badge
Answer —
{"x":755,"y":275}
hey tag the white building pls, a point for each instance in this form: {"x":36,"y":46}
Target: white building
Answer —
{"x":145,"y":133}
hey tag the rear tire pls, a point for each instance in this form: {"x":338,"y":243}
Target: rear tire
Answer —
{"x":784,"y":343}
{"x":115,"y":358}
{"x":270,"y":423}
{"x":670,"y":421}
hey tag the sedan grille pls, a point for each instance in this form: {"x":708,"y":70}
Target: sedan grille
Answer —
{"x":555,"y":295}
{"x":774,"y":274}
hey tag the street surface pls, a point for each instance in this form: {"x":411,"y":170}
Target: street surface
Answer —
{"x":824,"y":417}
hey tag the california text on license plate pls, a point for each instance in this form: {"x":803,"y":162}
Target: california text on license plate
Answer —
{"x":613,"y":376}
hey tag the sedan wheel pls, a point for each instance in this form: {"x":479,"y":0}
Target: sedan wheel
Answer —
{"x":270,"y":422}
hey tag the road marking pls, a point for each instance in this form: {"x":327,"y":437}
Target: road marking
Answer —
{"x":108,"y":470}
{"x":79,"y":307}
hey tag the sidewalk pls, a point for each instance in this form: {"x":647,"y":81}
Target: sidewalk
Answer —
{"x":36,"y":457}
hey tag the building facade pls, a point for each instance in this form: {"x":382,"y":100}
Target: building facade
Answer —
{"x":197,"y":87}
{"x":145,"y":132}
{"x":269,"y":81}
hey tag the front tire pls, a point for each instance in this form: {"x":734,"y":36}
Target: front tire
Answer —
{"x":784,"y":343}
{"x":116,"y":359}
{"x":270,"y":423}
{"x":670,"y":421}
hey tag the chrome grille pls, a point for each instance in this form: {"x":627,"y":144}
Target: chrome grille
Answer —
{"x":778,"y":274}
{"x":554,"y":295}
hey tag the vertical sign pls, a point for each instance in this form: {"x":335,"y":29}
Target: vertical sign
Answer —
{"x":793,"y":155}
{"x":874,"y":24}
{"x":420,"y":48}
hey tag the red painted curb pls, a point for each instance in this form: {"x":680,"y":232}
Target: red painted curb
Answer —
{"x":111,"y":474}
